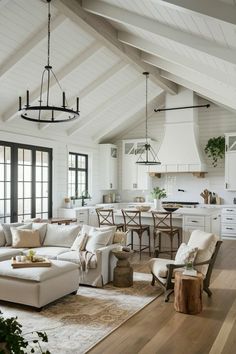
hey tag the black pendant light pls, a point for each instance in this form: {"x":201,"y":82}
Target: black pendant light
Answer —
{"x":46,"y":112}
{"x":147,"y":155}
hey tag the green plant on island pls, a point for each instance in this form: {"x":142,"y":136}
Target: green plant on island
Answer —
{"x":215,"y":149}
{"x":158,"y":193}
{"x":13,"y":341}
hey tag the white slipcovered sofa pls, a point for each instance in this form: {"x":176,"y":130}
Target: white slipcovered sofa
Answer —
{"x":88,"y":247}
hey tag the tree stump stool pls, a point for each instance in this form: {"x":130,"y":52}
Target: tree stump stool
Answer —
{"x":123,"y":272}
{"x":188,"y":293}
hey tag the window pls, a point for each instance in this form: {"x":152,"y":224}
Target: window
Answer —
{"x":25,"y":182}
{"x":77,"y":175}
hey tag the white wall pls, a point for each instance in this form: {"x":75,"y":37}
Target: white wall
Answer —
{"x":213,"y":122}
{"x":60,"y":163}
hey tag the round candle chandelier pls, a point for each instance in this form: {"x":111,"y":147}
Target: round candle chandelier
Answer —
{"x":45,"y":111}
{"x":147,"y":154}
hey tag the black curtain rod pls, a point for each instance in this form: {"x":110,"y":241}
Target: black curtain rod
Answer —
{"x":185,"y":107}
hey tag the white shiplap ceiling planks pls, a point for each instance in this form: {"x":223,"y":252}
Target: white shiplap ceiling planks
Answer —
{"x":101,"y":58}
{"x":195,"y":45}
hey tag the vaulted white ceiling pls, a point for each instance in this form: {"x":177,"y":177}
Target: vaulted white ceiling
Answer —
{"x":99,"y":51}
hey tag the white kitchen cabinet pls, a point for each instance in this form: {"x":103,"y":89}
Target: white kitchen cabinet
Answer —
{"x":134,"y":176}
{"x":81,"y":214}
{"x":230,"y":161}
{"x":200,"y":219}
{"x":108,"y":166}
{"x":228,"y":223}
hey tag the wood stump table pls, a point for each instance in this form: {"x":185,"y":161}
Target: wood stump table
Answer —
{"x":123,"y":272}
{"x":188,"y":293}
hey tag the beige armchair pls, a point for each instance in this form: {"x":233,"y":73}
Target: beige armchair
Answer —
{"x":163,"y":269}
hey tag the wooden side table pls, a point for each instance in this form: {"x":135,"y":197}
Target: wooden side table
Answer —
{"x":123,"y":272}
{"x":188,"y":293}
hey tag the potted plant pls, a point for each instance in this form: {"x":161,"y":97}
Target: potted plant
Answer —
{"x":12,"y":340}
{"x":215,"y":149}
{"x":158,"y":194}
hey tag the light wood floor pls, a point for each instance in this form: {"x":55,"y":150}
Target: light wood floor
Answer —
{"x":159,"y":329}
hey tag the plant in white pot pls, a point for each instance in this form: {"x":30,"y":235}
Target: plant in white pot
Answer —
{"x":158,"y":194}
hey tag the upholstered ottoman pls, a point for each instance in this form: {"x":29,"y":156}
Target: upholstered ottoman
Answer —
{"x":39,"y":286}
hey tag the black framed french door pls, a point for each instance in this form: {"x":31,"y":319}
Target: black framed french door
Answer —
{"x":25,"y":182}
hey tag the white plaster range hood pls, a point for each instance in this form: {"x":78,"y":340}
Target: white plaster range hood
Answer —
{"x":180,"y":150}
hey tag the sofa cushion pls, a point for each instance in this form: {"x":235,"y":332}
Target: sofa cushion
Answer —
{"x":185,"y":254}
{"x":2,"y":237}
{"x":71,"y":256}
{"x":48,"y":252}
{"x":98,"y":239}
{"x":7,"y":231}
{"x":8,"y":253}
{"x":23,"y":238}
{"x":205,"y":242}
{"x":37,"y":274}
{"x":158,"y":266}
{"x":42,"y":227}
{"x":86,"y":229}
{"x":61,"y":235}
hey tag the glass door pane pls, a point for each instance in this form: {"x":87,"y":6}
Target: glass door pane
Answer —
{"x":5,"y":183}
{"x":24,"y":191}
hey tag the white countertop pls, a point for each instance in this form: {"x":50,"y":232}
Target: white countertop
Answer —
{"x":198,"y":211}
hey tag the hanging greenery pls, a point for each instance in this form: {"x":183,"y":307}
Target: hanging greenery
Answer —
{"x":215,"y":149}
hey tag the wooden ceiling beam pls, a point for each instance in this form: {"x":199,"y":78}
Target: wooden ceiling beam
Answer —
{"x":152,"y":50}
{"x":201,"y":90}
{"x":128,"y":122}
{"x":121,"y":65}
{"x":132,"y":19}
{"x":107,"y":104}
{"x":29,"y":44}
{"x":211,"y":8}
{"x":106,"y":33}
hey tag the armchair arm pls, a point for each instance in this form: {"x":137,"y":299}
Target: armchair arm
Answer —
{"x":106,"y":261}
{"x":171,"y":268}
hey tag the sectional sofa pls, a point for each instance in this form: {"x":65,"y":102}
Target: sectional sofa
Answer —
{"x":88,"y":247}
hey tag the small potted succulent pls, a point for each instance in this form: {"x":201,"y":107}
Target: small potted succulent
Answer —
{"x":158,"y":194}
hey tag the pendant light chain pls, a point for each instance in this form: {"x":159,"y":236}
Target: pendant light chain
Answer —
{"x":147,"y":155}
{"x":146,"y":108}
{"x":46,"y":113}
{"x":49,"y":31}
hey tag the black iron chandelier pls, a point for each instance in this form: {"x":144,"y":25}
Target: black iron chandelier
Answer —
{"x":46,"y":112}
{"x":147,"y":155}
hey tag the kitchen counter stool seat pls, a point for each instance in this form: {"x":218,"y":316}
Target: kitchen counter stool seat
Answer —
{"x":106,"y":218}
{"x":162,"y":222}
{"x":132,"y":222}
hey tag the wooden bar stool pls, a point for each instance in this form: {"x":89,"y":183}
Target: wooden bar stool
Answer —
{"x":106,"y":218}
{"x":133,"y":223}
{"x":162,"y":222}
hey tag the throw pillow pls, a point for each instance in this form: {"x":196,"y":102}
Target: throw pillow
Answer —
{"x":185,"y":253}
{"x":120,"y":237}
{"x":80,"y":242}
{"x":42,"y":227}
{"x":7,"y":231}
{"x":25,"y":238}
{"x":61,"y":235}
{"x":97,"y":239}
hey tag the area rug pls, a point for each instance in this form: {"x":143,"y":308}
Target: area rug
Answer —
{"x":76,"y":323}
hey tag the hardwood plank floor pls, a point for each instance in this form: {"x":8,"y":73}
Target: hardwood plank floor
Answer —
{"x":159,"y":329}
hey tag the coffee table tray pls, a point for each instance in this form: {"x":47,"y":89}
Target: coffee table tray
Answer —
{"x":28,"y":264}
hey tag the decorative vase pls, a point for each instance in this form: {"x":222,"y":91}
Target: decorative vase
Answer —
{"x":157,"y":204}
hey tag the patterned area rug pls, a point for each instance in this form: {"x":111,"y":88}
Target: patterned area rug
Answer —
{"x":74,"y":324}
